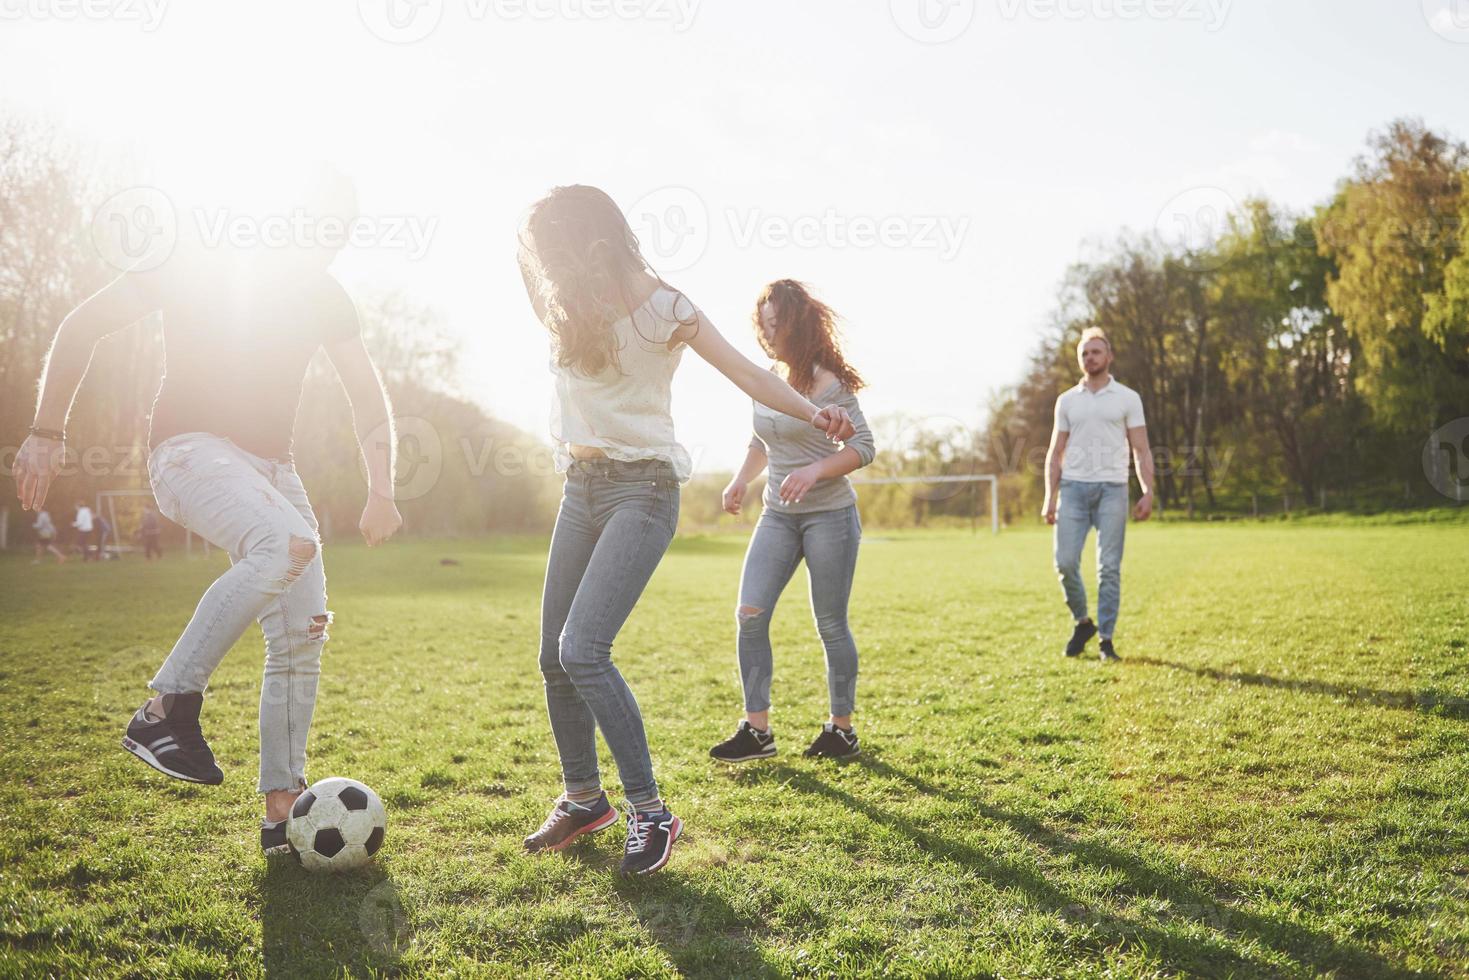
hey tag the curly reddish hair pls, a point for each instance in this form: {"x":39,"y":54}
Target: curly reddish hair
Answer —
{"x":810,"y":329}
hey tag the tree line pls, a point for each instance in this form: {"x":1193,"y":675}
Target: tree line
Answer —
{"x":1308,"y":354}
{"x":1292,"y":354}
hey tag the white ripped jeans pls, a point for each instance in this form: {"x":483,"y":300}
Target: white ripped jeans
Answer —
{"x":255,"y":510}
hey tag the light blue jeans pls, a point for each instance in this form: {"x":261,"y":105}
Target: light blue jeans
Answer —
{"x":1081,"y":507}
{"x":828,"y":541}
{"x":256,"y":511}
{"x":616,"y":521}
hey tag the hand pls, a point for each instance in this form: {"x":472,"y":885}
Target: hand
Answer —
{"x":380,"y":519}
{"x":734,"y":496}
{"x":1143,"y":509}
{"x":1048,"y":510}
{"x":797,"y":484}
{"x":36,"y":466}
{"x":835,"y":422}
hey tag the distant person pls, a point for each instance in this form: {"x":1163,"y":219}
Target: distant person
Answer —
{"x":84,"y":526}
{"x":104,"y":536}
{"x":45,"y":530}
{"x":617,"y":334}
{"x":809,"y":513}
{"x":239,"y":329}
{"x":151,"y":530}
{"x":1097,"y":422}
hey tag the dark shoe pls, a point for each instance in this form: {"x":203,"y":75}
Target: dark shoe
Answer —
{"x":834,"y":743}
{"x":568,"y":821}
{"x":650,"y":838}
{"x":745,"y":744}
{"x":273,"y":838}
{"x":174,"y":745}
{"x":1083,"y":632}
{"x":1108,"y":654}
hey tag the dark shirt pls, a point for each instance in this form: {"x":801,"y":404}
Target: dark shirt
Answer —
{"x":239,"y":329}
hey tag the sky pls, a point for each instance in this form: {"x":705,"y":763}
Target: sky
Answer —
{"x":930,"y":167}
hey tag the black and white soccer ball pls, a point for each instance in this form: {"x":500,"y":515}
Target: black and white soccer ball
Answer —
{"x":336,"y":825}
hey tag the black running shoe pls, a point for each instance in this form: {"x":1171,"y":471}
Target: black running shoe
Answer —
{"x":745,"y":744}
{"x":650,"y":838}
{"x":273,"y":838}
{"x":1083,"y":632}
{"x":568,"y":821}
{"x":835,"y":743}
{"x":174,"y":745}
{"x":1108,"y":654}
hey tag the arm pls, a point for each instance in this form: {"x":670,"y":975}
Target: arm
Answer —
{"x":857,"y":452}
{"x":1142,"y":455}
{"x":118,"y":304}
{"x":755,"y":462}
{"x":760,"y":384}
{"x":1054,"y":455}
{"x":372,"y":419}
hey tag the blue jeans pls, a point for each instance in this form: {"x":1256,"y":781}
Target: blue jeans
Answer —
{"x":256,"y":510}
{"x":828,"y":541}
{"x":1081,"y":507}
{"x":615,"y":522}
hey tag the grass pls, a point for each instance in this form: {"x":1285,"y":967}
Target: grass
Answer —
{"x":1272,"y":784}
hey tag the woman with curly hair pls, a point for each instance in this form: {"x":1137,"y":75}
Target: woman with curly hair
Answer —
{"x":810,"y":512}
{"x":617,"y":334}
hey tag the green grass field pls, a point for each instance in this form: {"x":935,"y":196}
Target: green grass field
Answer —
{"x":1273,"y":783}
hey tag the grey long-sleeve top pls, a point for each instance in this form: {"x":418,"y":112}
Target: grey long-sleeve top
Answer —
{"x":790,"y":444}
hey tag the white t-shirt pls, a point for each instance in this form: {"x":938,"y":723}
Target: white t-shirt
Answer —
{"x":626,"y":412}
{"x":83,"y":520}
{"x":1097,"y":450}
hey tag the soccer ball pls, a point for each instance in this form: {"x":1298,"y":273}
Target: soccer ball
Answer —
{"x":336,"y":825}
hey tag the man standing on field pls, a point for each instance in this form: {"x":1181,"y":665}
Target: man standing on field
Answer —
{"x":1086,"y":485}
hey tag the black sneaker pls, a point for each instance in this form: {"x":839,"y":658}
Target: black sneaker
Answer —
{"x":650,"y":838}
{"x":745,"y":744}
{"x":174,"y":745}
{"x":568,"y":821}
{"x":835,"y":743}
{"x":1083,"y":632}
{"x":273,"y":838}
{"x":1108,"y":654}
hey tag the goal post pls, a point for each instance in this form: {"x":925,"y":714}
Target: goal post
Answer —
{"x":990,"y":478}
{"x":123,"y":510}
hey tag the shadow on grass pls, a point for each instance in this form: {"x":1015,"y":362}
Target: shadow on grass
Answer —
{"x":1193,"y":897}
{"x":1428,"y":701}
{"x":328,"y":925}
{"x":701,"y":933}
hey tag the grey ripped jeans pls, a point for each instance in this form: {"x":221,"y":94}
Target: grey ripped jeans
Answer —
{"x":616,"y":521}
{"x":256,"y":511}
{"x":828,"y":541}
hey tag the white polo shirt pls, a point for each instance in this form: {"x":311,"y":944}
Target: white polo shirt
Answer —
{"x":1096,"y":449}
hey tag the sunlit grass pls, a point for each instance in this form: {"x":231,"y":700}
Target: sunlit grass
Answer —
{"x":1272,"y":783}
